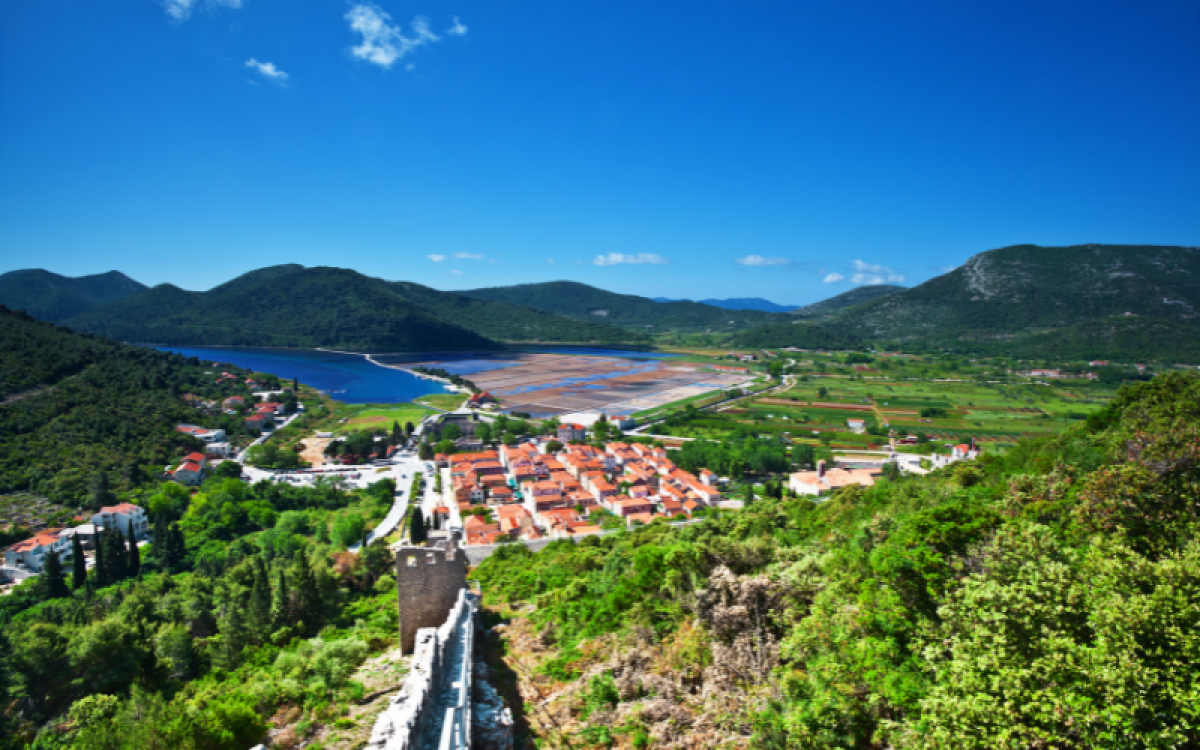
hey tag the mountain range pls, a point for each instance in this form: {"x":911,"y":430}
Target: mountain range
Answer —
{"x":294,"y":306}
{"x":583,"y":302}
{"x":54,"y":298}
{"x":1083,"y":301}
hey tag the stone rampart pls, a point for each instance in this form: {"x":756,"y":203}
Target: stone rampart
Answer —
{"x":428,"y":582}
{"x":429,"y":710}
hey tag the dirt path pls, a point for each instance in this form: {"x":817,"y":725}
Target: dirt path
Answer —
{"x":314,"y":450}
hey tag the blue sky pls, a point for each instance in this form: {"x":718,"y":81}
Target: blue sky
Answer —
{"x":680,"y":149}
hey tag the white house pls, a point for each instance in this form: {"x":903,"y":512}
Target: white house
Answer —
{"x":121,"y":516}
{"x":208,"y":436}
{"x":31,"y":554}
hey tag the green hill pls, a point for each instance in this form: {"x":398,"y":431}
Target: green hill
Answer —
{"x":73,"y":406}
{"x":587,"y":303}
{"x":800,"y":335}
{"x":49,"y":296}
{"x":839,"y":303}
{"x":1120,"y":302}
{"x":294,"y":306}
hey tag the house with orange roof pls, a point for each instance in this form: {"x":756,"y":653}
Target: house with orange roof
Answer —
{"x":31,"y":553}
{"x":642,"y":518}
{"x":571,"y":431}
{"x":207,"y":435}
{"x":623,"y":505}
{"x":188,"y":473}
{"x":672,"y":508}
{"x":826,"y":480}
{"x":501,"y":495}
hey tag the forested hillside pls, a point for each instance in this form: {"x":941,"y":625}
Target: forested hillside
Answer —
{"x":587,"y":303}
{"x":1032,"y":299}
{"x":1043,"y":598}
{"x":49,"y":296}
{"x":80,"y":407}
{"x":800,"y":335}
{"x":294,"y":306}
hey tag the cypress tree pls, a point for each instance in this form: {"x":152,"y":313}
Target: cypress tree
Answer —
{"x":260,"y":601}
{"x":279,"y":603}
{"x":397,"y":434}
{"x":133,"y":564}
{"x":101,"y":560}
{"x":79,"y":566}
{"x":115,"y":555}
{"x":308,"y":599}
{"x":416,"y":532}
{"x":54,"y":586}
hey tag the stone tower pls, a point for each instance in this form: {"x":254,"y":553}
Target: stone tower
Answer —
{"x":427,"y":584}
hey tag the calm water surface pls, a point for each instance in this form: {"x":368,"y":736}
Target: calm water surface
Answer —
{"x":347,"y":377}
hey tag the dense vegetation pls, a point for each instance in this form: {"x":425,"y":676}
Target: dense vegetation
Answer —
{"x":1041,"y":598}
{"x":49,"y":296}
{"x":800,"y":335}
{"x":256,"y":618}
{"x":295,"y":306}
{"x":103,"y":409}
{"x":587,"y":303}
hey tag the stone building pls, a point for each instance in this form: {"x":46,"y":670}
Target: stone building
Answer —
{"x":428,"y":582}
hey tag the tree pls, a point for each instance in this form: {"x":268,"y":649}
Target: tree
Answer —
{"x":78,"y":563}
{"x":416,"y":531}
{"x":483,"y":431}
{"x":891,"y":471}
{"x":451,"y":432}
{"x":409,"y":429}
{"x":279,"y":603}
{"x":101,"y":495}
{"x":348,"y":529}
{"x":308,"y":597}
{"x":553,"y":446}
{"x":397,"y":434}
{"x":54,"y":585}
{"x":425,"y":452}
{"x":295,"y":385}
{"x":260,"y":600}
{"x":133,"y":563}
{"x":228,"y":470}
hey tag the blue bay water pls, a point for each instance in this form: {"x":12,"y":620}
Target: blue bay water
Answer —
{"x":347,"y":377}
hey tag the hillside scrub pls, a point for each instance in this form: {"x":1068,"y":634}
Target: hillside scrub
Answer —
{"x":1043,"y":598}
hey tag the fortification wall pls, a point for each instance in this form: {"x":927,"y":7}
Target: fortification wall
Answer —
{"x":428,"y":711}
{"x":428,"y":582}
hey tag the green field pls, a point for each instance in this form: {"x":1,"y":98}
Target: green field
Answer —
{"x":443,"y":401}
{"x":980,"y":400}
{"x":383,"y":416}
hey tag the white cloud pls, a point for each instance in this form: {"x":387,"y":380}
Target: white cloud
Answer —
{"x":870,"y":273}
{"x":758,"y":260}
{"x":456,"y":273}
{"x":549,"y":260}
{"x":457,"y":29}
{"x":468,"y":256}
{"x":616,"y":259}
{"x":180,"y":10}
{"x":436,"y":258}
{"x":268,"y":71}
{"x":382,"y":43}
{"x":833,"y":277}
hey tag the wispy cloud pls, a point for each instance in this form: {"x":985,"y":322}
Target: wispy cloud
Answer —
{"x":549,"y":260}
{"x":831,"y":278}
{"x":456,"y":273}
{"x":382,"y":43}
{"x":457,"y":29}
{"x":870,"y":273}
{"x":758,"y":260}
{"x":180,"y":10}
{"x":268,"y":70}
{"x":616,"y":259}
{"x":469,"y":256}
{"x":436,"y":258}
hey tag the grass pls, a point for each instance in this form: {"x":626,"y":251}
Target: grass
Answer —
{"x":444,"y":401}
{"x":373,"y":415}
